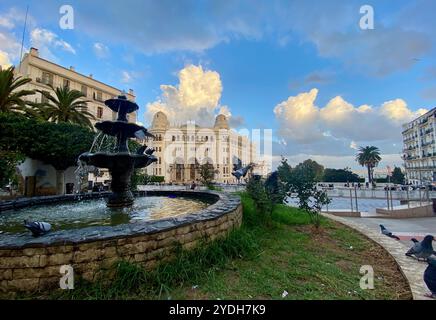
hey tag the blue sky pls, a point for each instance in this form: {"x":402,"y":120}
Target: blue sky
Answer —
{"x":302,"y":68}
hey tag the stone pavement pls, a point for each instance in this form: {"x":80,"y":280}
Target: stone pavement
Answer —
{"x":411,"y":268}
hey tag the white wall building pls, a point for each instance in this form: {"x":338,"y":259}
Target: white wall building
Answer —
{"x":182,"y":149}
{"x":419,"y":150}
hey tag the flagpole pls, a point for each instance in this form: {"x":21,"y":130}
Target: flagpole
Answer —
{"x":22,"y":39}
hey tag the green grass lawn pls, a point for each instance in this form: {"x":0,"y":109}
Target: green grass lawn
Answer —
{"x":260,"y":261}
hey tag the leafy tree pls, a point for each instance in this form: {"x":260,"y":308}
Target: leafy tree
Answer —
{"x":65,"y":105}
{"x":397,"y":176}
{"x":311,"y":169}
{"x":275,"y":188}
{"x":284,"y":170}
{"x":368,"y":157}
{"x":207,"y":173}
{"x":340,"y":175}
{"x":11,"y":96}
{"x":8,"y":163}
{"x":57,"y":144}
{"x":257,"y":191}
{"x":301,"y":183}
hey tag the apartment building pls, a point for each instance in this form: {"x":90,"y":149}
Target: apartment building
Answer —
{"x":45,"y":73}
{"x":419,"y":152}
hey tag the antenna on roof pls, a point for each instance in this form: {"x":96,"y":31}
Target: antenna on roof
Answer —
{"x":22,"y":39}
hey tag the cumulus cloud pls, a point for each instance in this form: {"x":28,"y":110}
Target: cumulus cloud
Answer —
{"x":339,"y":126}
{"x":47,"y":41}
{"x":298,"y":117}
{"x":4,"y":60}
{"x":9,"y":48}
{"x":100,"y":50}
{"x":196,"y":97}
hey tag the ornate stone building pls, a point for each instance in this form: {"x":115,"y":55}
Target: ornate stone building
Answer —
{"x":182,"y":149}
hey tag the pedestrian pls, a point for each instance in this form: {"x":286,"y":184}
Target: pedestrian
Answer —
{"x":193,"y":185}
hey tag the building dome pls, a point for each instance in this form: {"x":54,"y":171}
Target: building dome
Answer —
{"x":221,"y":122}
{"x":160,"y":121}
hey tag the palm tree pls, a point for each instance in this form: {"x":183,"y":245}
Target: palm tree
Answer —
{"x":65,"y":106}
{"x":11,"y":97}
{"x":369,"y":157}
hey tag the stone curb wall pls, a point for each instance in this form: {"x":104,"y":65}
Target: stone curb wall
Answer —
{"x":34,"y":264}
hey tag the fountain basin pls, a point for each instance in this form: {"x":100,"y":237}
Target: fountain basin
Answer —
{"x":28,"y":263}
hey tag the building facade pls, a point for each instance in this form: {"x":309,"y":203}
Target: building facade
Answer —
{"x":181,"y":150}
{"x":419,"y":152}
{"x":39,"y":179}
{"x":44,"y":74}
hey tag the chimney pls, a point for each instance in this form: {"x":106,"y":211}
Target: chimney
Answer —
{"x":72,"y":68}
{"x":34,"y":52}
{"x":90,"y":75}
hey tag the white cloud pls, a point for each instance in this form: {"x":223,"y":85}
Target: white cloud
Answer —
{"x":9,"y":47}
{"x":298,"y":117}
{"x":100,"y":50}
{"x":4,"y":60}
{"x":47,"y":41}
{"x":339,"y":126}
{"x":196,"y":97}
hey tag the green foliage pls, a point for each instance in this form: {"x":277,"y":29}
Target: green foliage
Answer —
{"x":397,"y":176}
{"x":311,"y":169}
{"x":8,"y":163}
{"x":301,"y":181}
{"x":340,"y":175}
{"x":65,"y":105}
{"x":58,"y":144}
{"x":12,"y":98}
{"x":207,"y":173}
{"x":275,"y":188}
{"x":257,"y":191}
{"x":139,"y":178}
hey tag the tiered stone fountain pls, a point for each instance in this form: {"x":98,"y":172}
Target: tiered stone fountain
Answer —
{"x":121,"y":163}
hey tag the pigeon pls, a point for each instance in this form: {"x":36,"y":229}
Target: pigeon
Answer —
{"x":149,"y":151}
{"x":423,"y":249}
{"x":141,"y":150}
{"x":430,"y":276}
{"x":37,"y":228}
{"x":414,"y":240}
{"x":386,"y":232}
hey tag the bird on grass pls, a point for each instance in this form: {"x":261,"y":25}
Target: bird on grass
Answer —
{"x":423,"y":249}
{"x":430,"y":276}
{"x":37,"y":228}
{"x":386,"y":232}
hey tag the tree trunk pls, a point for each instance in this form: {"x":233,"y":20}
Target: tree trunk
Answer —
{"x":369,"y":174}
{"x":60,"y":181}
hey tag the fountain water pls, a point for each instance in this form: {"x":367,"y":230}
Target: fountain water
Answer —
{"x":121,"y":162}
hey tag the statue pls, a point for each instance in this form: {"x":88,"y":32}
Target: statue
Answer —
{"x":239,"y":171}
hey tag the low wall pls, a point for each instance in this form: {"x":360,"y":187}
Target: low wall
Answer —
{"x":344,"y":213}
{"x":412,"y":212}
{"x":29,"y":264}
